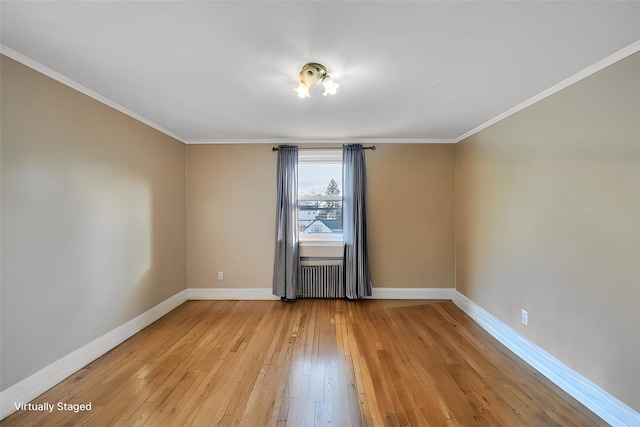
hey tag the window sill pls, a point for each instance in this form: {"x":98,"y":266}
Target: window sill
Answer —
{"x":324,"y":242}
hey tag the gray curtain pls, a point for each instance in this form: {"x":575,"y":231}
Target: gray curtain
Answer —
{"x":285,"y":268}
{"x":357,"y":276}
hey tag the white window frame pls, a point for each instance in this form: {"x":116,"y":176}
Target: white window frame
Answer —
{"x":322,"y":156}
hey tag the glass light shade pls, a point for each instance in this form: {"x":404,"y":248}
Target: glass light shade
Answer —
{"x":330,"y":87}
{"x":303,"y":91}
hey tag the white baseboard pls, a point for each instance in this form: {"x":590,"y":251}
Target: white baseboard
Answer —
{"x":412,"y":293}
{"x":266,"y":293}
{"x":36,"y":384}
{"x":231,"y":294}
{"x":603,"y":404}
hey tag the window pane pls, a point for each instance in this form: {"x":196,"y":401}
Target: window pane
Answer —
{"x":320,"y":217}
{"x":319,"y":179}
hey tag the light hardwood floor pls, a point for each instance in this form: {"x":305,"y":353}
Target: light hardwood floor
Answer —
{"x":312,"y":362}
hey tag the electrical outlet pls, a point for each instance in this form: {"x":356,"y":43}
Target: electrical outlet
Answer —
{"x":220,"y":275}
{"x":525,"y":317}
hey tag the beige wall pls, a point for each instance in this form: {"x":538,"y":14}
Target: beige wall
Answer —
{"x":230,"y":215}
{"x":231,"y":204}
{"x":411,"y":222}
{"x":93,"y":220}
{"x":548,"y":219}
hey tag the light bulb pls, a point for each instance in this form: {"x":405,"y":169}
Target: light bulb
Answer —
{"x":330,"y":87}
{"x":303,"y":91}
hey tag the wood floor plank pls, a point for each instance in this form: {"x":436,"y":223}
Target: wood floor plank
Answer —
{"x":312,"y":362}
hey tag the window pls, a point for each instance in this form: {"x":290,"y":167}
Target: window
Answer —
{"x":320,"y":195}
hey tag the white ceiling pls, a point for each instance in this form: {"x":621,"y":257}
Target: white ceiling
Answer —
{"x":224,"y":71}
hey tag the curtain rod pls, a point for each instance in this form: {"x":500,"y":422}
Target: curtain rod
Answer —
{"x":373,"y":147}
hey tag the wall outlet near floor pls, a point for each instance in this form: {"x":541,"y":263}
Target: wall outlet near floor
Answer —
{"x":220,"y":275}
{"x":525,"y":317}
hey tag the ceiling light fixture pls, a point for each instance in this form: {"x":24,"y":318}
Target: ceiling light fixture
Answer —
{"x":312,"y":74}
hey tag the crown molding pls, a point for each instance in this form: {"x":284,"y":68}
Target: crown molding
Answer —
{"x":592,"y":69}
{"x":25,"y":60}
{"x":323,"y":141}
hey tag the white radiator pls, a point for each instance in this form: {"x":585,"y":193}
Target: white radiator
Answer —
{"x":320,"y":281}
